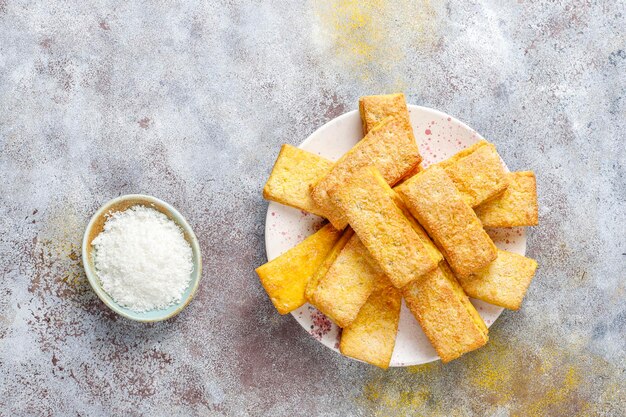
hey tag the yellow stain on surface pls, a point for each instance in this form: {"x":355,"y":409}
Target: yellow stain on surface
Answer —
{"x":370,"y":38}
{"x":57,"y":255}
{"x":395,"y":400}
{"x":354,"y":32}
{"x":558,"y":397}
{"x":553,"y":379}
{"x":529,"y":383}
{"x":422,"y":369}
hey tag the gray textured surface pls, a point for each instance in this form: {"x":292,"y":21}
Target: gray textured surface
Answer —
{"x":190,"y":104}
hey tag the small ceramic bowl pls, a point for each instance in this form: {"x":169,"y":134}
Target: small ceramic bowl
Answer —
{"x":96,"y":225}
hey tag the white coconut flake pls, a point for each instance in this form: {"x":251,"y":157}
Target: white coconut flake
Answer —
{"x":142,"y":259}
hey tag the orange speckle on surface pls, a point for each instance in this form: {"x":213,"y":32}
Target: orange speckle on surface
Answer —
{"x":371,"y":36}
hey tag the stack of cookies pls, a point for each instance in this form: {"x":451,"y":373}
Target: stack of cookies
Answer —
{"x":399,"y":231}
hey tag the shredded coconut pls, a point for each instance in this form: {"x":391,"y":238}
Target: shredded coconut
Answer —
{"x":142,"y":259}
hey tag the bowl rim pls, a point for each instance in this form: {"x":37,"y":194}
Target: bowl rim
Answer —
{"x":177,"y":218}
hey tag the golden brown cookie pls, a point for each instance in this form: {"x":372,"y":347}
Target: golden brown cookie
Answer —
{"x":347,"y":284}
{"x":327,"y":263}
{"x":390,"y":146}
{"x":294,"y":172}
{"x":371,"y":337}
{"x":503,"y":282}
{"x":516,"y":206}
{"x":449,"y":320}
{"x":374,"y":109}
{"x":438,"y":206}
{"x":285,"y":277}
{"x":368,"y":204}
{"x":477,"y":172}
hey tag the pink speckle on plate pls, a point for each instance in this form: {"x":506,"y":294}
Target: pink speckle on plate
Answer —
{"x":321,"y":324}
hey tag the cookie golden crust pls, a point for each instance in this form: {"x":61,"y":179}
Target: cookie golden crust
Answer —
{"x":323,"y":268}
{"x":435,"y":202}
{"x":294,"y":172}
{"x":374,"y":109}
{"x":447,"y":163}
{"x":503,"y":282}
{"x":430,"y":247}
{"x":286,"y":277}
{"x":516,"y":206}
{"x":390,"y":146}
{"x":418,"y":168}
{"x":371,"y":337}
{"x":479,"y":175}
{"x":449,"y":320}
{"x":368,"y":204}
{"x":347,"y":284}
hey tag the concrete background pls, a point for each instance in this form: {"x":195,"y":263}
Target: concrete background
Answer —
{"x":190,"y":102}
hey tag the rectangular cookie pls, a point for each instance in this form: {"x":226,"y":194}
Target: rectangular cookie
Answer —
{"x":503,"y":282}
{"x":368,"y":204}
{"x":449,"y":320}
{"x":390,"y":146}
{"x":374,"y":109}
{"x":294,"y":172}
{"x":477,"y":172}
{"x":371,"y":337}
{"x":347,"y":284}
{"x":349,"y":281}
{"x":323,"y":268}
{"x":438,"y":206}
{"x":352,"y":277}
{"x":285,"y":277}
{"x":429,"y":246}
{"x":516,"y":206}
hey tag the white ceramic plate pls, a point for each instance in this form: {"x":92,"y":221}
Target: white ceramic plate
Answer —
{"x":438,"y":136}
